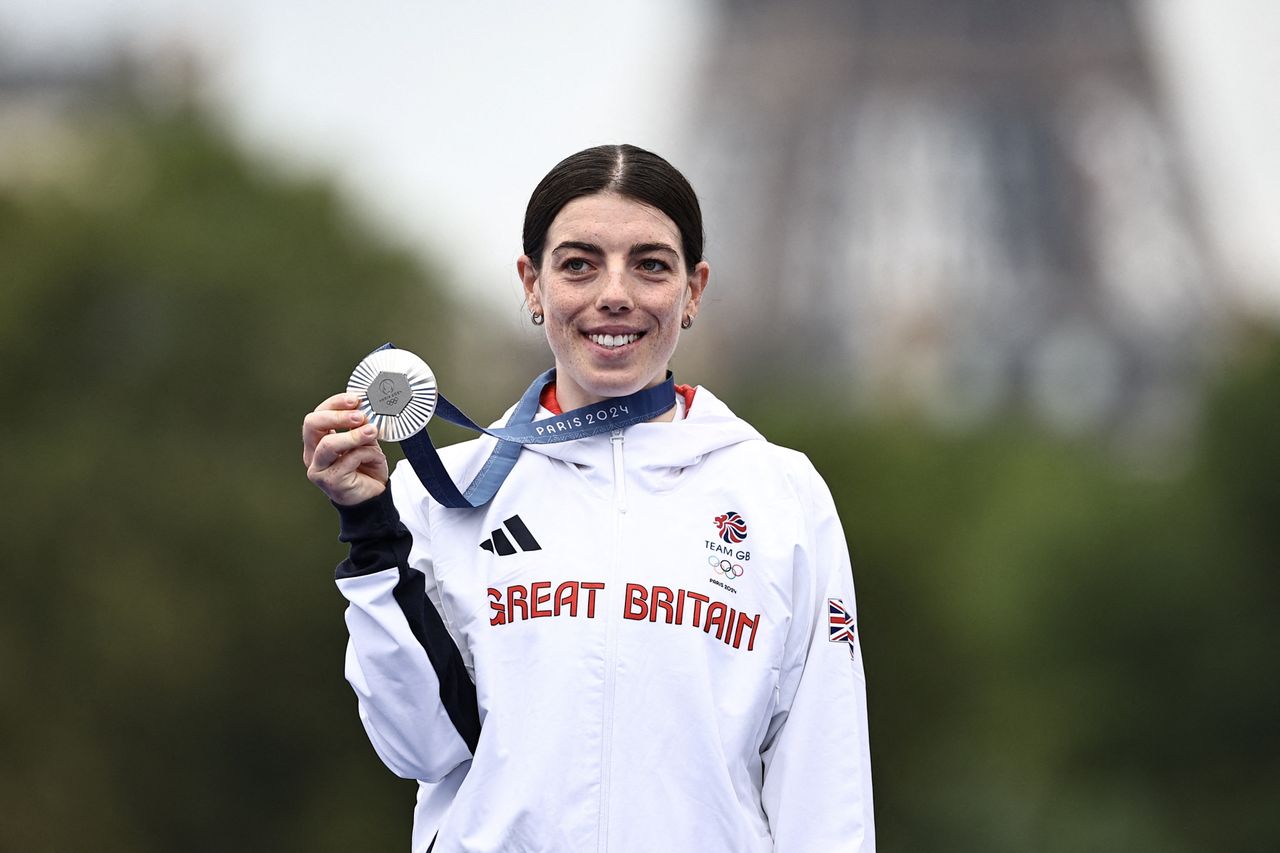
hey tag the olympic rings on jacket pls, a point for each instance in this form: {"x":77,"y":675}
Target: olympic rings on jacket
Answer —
{"x":730,"y":569}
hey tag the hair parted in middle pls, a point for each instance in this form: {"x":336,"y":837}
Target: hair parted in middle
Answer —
{"x":630,"y":172}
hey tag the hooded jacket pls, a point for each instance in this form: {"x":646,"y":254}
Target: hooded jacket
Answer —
{"x":644,"y":642}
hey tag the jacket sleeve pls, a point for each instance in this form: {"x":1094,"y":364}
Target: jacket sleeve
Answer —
{"x":817,"y":765}
{"x":416,"y":698}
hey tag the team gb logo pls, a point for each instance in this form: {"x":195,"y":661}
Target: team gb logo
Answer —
{"x":732,"y":527}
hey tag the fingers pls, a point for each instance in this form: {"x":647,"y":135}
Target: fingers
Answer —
{"x":354,"y":477}
{"x":330,"y":447}
{"x":340,"y":401}
{"x":340,"y":449}
{"x":339,"y":412}
{"x":362,"y":460}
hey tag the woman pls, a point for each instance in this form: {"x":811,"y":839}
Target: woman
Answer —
{"x":645,"y":641}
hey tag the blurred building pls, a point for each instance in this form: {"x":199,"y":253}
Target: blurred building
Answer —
{"x":56,"y":114}
{"x":952,"y":205}
{"x":35,"y":142}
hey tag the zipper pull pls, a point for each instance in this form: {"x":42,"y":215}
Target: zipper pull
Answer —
{"x":619,"y":480}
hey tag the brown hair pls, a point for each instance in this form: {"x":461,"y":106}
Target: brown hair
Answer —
{"x":623,"y":169}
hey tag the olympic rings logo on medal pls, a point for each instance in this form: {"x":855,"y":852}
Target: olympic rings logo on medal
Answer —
{"x":729,"y":568}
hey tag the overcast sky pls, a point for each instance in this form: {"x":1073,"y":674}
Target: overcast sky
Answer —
{"x":439,"y":118}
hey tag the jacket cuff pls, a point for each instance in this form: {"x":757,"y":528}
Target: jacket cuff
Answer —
{"x":376,"y":518}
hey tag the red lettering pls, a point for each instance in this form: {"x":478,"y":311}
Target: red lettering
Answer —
{"x":728,"y":627}
{"x":541,"y":592}
{"x":662,"y":597}
{"x":567,"y":597}
{"x":636,"y":604}
{"x":538,"y":600}
{"x":715,"y":617}
{"x":499,"y":612}
{"x":591,"y":589}
{"x":517,"y":596}
{"x":640,"y":602}
{"x":698,"y":600}
{"x":745,"y":621}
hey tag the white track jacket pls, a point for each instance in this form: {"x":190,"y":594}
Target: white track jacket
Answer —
{"x":645,"y":642}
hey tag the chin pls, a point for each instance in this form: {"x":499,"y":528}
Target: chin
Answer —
{"x":614,"y":389}
{"x":613,"y":385}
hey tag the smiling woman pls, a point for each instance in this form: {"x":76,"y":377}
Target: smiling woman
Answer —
{"x":646,"y":639}
{"x":615,"y":293}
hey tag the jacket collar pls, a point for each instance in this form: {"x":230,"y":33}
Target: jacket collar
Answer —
{"x":658,"y":454}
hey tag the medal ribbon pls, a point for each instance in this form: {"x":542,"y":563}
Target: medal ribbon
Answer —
{"x":521,"y":429}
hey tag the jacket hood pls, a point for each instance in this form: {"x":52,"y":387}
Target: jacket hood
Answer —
{"x":657,"y":453}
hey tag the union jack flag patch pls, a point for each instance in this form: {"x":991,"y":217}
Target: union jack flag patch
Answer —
{"x":840,"y":623}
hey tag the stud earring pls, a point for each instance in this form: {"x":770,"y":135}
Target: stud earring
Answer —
{"x":536,"y":318}
{"x":686,"y":322}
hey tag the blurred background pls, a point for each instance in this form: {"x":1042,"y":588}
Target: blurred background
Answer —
{"x":1008,"y":271}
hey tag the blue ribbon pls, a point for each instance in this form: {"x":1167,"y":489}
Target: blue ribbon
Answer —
{"x":521,"y":429}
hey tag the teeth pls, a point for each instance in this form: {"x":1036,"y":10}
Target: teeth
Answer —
{"x":614,"y":340}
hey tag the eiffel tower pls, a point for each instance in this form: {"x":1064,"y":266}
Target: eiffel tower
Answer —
{"x":955,"y":206}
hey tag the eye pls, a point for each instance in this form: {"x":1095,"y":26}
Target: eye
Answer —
{"x":653,"y":265}
{"x":575,"y":265}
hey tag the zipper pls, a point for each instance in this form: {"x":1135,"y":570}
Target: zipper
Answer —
{"x":619,"y":481}
{"x":611,"y":643}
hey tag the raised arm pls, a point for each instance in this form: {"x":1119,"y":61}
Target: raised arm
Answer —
{"x":416,"y":699}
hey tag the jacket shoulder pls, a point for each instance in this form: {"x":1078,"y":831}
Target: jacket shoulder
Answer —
{"x":771,"y":457}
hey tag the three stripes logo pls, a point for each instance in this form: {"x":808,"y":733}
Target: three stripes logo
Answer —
{"x":498,"y":542}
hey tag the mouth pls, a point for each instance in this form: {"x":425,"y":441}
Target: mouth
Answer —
{"x":615,"y":341}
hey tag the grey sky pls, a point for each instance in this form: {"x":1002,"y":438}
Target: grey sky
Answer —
{"x":438,"y":118}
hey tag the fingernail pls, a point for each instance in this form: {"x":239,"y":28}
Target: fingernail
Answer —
{"x":369,"y":430}
{"x":353,"y":400}
{"x":356,"y":417}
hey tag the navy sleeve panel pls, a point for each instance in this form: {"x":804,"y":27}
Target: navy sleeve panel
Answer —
{"x":380,"y":541}
{"x":456,"y":690}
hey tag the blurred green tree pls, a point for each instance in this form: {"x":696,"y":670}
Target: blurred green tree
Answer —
{"x":1063,"y":654}
{"x":170,"y":643}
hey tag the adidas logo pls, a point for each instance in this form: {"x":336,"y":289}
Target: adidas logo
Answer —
{"x":499,"y":544}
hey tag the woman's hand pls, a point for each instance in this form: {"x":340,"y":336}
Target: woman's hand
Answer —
{"x":341,"y":451}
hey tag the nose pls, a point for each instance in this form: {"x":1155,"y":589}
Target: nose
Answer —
{"x":615,"y":294}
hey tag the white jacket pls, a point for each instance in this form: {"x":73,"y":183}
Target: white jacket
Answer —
{"x":639,"y":645}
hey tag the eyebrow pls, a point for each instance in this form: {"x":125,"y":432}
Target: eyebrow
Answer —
{"x":643,"y":248}
{"x":592,"y":248}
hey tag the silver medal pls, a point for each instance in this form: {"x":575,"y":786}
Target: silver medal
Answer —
{"x":397,"y":392}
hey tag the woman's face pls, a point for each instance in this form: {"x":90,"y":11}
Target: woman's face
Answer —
{"x":614,"y":288}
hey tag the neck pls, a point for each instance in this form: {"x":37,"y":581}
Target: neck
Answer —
{"x":566,"y":395}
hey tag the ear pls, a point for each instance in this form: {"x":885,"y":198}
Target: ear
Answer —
{"x":697,"y":284}
{"x":529,"y":278}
